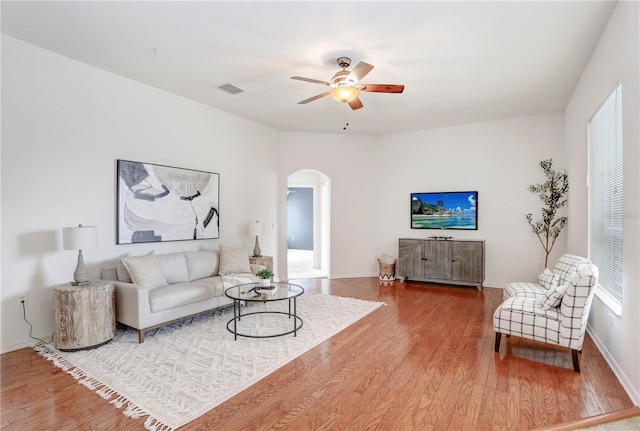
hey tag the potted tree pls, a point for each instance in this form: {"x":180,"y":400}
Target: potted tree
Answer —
{"x":265,"y":277}
{"x":552,"y":193}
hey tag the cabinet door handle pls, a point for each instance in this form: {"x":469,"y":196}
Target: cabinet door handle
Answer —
{"x":424,"y":258}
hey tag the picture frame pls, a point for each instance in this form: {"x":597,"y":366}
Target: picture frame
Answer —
{"x":158,"y":203}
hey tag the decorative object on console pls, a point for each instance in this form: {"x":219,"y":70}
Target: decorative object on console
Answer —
{"x":160,"y":203}
{"x":552,"y":192}
{"x":79,"y":238}
{"x":256,"y":229}
{"x":451,"y":210}
{"x":441,"y":237}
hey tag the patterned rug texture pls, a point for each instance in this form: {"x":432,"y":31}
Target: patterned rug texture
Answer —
{"x":183,"y":370}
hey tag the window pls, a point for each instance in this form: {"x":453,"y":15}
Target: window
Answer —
{"x":605,"y":198}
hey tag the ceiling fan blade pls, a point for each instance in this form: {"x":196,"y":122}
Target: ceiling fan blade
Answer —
{"x":311,"y":99}
{"x":355,"y":103}
{"x":381,"y":88}
{"x":315,"y":81}
{"x":359,"y":71}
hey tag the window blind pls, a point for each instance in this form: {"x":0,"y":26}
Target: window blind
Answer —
{"x":606,"y":193}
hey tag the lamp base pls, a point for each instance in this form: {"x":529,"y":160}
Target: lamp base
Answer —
{"x":256,"y":250}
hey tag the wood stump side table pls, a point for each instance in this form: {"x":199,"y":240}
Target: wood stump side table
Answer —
{"x":84,"y":315}
{"x":262,"y":260}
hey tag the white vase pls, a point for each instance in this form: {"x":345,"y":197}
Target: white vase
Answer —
{"x":265,"y":282}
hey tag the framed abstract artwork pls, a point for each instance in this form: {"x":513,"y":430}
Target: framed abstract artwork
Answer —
{"x":159,"y":203}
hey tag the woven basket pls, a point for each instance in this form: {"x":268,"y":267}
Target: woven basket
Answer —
{"x":386,"y":271}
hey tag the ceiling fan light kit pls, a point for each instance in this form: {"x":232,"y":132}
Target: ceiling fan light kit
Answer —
{"x":344,"y":84}
{"x":344,"y":94}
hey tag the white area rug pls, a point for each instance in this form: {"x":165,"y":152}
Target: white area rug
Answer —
{"x":184,"y":370}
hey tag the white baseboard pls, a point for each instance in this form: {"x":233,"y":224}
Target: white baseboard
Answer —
{"x":622,"y":377}
{"x":491,"y":284}
{"x":21,"y":345}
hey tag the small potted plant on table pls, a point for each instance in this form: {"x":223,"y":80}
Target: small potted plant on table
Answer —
{"x":265,"y":277}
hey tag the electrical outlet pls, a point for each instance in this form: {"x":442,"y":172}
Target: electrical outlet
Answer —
{"x":22,"y":299}
{"x":540,"y":265}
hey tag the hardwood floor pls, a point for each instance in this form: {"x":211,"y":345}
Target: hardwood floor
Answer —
{"x":424,"y":361}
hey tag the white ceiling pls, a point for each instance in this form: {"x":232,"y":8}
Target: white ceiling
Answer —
{"x":461,"y":62}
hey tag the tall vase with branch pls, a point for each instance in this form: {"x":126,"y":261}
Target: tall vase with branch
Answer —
{"x":552,"y":193}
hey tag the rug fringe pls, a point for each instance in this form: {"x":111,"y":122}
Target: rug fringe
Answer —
{"x":103,"y":390}
{"x":152,"y":424}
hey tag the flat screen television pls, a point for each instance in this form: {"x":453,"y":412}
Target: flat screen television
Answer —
{"x":449,"y":210}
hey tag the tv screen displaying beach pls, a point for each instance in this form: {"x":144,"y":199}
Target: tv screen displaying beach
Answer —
{"x":451,"y":210}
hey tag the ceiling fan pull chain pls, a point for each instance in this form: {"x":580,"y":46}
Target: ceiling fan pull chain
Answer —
{"x":346,"y":117}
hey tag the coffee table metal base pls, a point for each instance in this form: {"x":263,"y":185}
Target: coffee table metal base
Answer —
{"x":232,"y":325}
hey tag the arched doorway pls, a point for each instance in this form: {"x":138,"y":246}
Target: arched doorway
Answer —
{"x":308,"y":197}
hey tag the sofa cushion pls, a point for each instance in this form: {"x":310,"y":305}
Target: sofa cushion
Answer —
{"x":202,"y":264}
{"x":523,"y":317}
{"x":234,"y":260}
{"x":177,"y":295}
{"x":523,"y":289}
{"x":548,"y":279}
{"x":145,"y":270}
{"x":174,"y":267}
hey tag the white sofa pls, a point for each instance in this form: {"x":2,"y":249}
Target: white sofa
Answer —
{"x":154,"y":290}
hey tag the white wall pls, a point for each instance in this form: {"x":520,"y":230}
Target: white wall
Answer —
{"x":351,"y":164}
{"x":64,"y":124}
{"x":614,"y":60}
{"x":372,"y":178}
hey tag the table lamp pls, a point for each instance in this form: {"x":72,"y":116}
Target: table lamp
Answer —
{"x":79,"y":238}
{"x":256,"y":229}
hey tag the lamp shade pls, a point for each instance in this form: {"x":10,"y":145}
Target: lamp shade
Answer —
{"x":344,"y":93}
{"x":256,"y":229}
{"x":79,"y":238}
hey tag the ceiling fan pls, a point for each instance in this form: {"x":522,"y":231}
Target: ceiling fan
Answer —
{"x":344,"y":84}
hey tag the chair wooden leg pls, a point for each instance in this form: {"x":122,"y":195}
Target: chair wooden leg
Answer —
{"x":140,"y":336}
{"x":576,"y":363}
{"x":498,"y":335}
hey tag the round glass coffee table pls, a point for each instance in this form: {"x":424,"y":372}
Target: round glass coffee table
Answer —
{"x":254,"y":292}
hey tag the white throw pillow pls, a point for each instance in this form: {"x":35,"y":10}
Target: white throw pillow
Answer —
{"x":145,"y":270}
{"x":553,"y":297}
{"x":234,"y":260}
{"x":123,"y":273}
{"x":548,"y":279}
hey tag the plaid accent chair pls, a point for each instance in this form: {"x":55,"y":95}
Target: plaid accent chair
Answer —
{"x":564,"y":269}
{"x":558,"y":317}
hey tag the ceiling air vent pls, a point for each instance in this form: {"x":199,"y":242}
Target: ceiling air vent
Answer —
{"x":231,"y":89}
